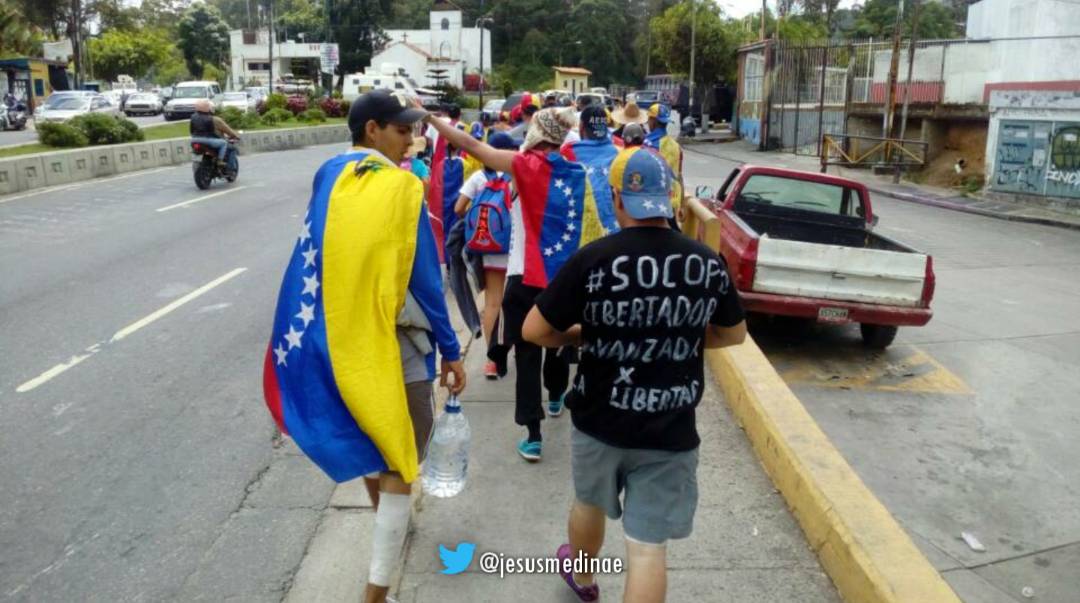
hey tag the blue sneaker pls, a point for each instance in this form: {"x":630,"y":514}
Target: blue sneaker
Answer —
{"x":530,"y":451}
{"x":555,"y":406}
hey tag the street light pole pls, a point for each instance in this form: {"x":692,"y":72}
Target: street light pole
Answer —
{"x":693,"y":56}
{"x":480,"y":25}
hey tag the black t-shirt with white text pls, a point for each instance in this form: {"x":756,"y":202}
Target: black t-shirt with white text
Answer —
{"x":644,"y":297}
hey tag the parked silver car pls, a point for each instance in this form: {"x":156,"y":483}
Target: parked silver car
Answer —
{"x":143,"y":103}
{"x":64,"y":106}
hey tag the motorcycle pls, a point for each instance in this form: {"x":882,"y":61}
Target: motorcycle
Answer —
{"x":13,"y":118}
{"x":206,"y":166}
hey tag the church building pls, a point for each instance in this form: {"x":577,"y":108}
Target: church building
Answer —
{"x":446,"y":48}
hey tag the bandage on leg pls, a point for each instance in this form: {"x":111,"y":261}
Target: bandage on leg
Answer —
{"x":391,"y":524}
{"x":646,"y":576}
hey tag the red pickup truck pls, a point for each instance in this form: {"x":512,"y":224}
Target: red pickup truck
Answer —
{"x":802,"y":244}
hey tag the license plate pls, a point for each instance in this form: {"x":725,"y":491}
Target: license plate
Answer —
{"x":832,"y":315}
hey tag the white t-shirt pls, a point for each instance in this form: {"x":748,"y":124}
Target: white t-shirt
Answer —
{"x":515,"y":264}
{"x":474,"y":184}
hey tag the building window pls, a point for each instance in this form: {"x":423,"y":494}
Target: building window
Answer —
{"x":565,"y":84}
{"x":399,"y":86}
{"x":753,"y":74}
{"x":255,"y":66}
{"x":378,"y":83}
{"x":445,"y":24}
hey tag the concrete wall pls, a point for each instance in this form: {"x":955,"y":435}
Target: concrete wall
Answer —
{"x":26,"y":172}
{"x":1033,"y":145}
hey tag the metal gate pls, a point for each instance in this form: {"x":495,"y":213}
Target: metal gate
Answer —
{"x":810,"y":86}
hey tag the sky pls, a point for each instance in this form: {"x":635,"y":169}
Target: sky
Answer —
{"x":741,"y":8}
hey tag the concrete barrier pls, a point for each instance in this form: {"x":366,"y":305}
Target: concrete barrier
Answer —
{"x":125,"y":158}
{"x":30,"y":172}
{"x":103,"y":163}
{"x":25,"y":172}
{"x":860,"y":545}
{"x":57,"y":170}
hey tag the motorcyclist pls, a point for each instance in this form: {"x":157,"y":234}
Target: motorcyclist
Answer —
{"x":10,"y":101}
{"x":214,"y":132}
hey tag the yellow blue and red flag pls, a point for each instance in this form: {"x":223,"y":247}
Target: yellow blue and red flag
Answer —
{"x":332,"y":376}
{"x":596,"y":155}
{"x":558,"y":210}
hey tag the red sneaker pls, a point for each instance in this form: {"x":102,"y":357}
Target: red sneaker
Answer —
{"x":491,"y":371}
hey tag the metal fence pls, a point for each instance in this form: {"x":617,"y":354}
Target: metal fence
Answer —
{"x":813,"y":86}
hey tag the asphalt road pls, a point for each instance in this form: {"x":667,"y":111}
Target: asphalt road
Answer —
{"x":140,"y":463}
{"x":967,"y":424}
{"x":13,"y":137}
{"x":139,"y":459}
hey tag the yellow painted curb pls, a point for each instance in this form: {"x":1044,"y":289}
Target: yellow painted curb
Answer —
{"x":861,"y":546}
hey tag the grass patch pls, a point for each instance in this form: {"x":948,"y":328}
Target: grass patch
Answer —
{"x":174,"y":130}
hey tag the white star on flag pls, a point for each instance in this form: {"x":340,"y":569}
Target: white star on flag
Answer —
{"x":305,"y":234}
{"x":558,"y":183}
{"x":280,"y":353}
{"x":311,"y":285}
{"x":648,"y":205}
{"x":309,"y":256}
{"x":568,"y":191}
{"x":571,"y":214}
{"x":548,"y":251}
{"x":590,"y":170}
{"x":571,"y":227}
{"x":307,"y":313}
{"x":558,"y":246}
{"x":566,"y":237}
{"x":605,"y":170}
{"x":293,"y":337}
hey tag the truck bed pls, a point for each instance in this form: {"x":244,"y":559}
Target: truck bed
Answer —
{"x":804,"y":253}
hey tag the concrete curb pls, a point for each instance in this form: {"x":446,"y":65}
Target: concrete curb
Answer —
{"x":28,"y":172}
{"x":861,"y":546}
{"x":945,"y":204}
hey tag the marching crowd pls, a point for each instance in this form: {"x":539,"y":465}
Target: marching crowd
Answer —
{"x":569,"y":218}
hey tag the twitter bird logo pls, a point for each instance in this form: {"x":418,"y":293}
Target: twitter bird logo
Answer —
{"x":456,"y":561}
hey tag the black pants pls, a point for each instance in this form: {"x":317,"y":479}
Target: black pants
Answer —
{"x":537,"y":368}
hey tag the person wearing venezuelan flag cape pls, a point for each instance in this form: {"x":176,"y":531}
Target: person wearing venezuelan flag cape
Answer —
{"x":558,"y":213}
{"x":349,"y":369}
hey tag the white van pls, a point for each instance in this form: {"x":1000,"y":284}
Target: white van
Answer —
{"x":184,"y":95}
{"x":389,"y":75}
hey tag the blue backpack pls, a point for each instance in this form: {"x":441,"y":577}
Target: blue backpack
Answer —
{"x":487,"y":223}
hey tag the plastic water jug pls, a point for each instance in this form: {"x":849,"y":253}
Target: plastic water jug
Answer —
{"x":448,"y":452}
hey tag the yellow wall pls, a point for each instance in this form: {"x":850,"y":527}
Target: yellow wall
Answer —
{"x":572,"y":82}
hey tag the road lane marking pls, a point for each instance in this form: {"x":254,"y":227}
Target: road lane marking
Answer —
{"x":142,"y":322}
{"x":200,"y":199}
{"x":122,"y":333}
{"x":898,"y":369}
{"x":56,"y":189}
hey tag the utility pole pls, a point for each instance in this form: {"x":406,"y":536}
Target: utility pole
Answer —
{"x":270,"y":30}
{"x":693,"y":56}
{"x":907,"y":87}
{"x":761,"y":36}
{"x":480,"y":23}
{"x":648,"y":40}
{"x":76,"y":40}
{"x":894,"y":66}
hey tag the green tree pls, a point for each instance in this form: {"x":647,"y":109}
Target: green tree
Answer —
{"x":608,"y":55}
{"x":716,"y":43}
{"x":203,"y":38}
{"x":17,"y":35}
{"x":878,"y":18}
{"x":357,"y":30}
{"x":120,"y":52}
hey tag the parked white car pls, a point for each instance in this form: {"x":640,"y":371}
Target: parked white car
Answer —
{"x":238,"y":100}
{"x":62,"y":107}
{"x":143,"y":103}
{"x":182,"y":104}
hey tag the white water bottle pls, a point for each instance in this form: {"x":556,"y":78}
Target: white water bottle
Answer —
{"x":448,"y":452}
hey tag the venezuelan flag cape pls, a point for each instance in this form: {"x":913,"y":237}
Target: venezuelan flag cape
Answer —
{"x":435,"y":193}
{"x":453,"y":177}
{"x":558,"y":210}
{"x":596,"y":156}
{"x":332,"y":377}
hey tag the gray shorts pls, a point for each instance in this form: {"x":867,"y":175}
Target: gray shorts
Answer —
{"x":658,"y":487}
{"x":422,"y":412}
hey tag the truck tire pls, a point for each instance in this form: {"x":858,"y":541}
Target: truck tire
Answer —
{"x":878,"y":337}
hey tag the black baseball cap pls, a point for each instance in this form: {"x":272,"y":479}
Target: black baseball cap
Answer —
{"x":382,"y":105}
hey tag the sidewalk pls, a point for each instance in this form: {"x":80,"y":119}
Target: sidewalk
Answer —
{"x":746,"y":152}
{"x":745,"y":547}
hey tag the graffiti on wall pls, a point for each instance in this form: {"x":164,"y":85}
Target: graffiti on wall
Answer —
{"x":1038,"y":158}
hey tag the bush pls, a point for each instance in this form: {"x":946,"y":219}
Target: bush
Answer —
{"x":276,"y":116}
{"x":134,"y":132}
{"x":332,"y":107}
{"x":345,"y":106}
{"x":237,"y":119}
{"x":297,"y":104}
{"x":274,"y":101}
{"x":106,"y":129}
{"x":312,"y":116}
{"x":60,"y":135}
